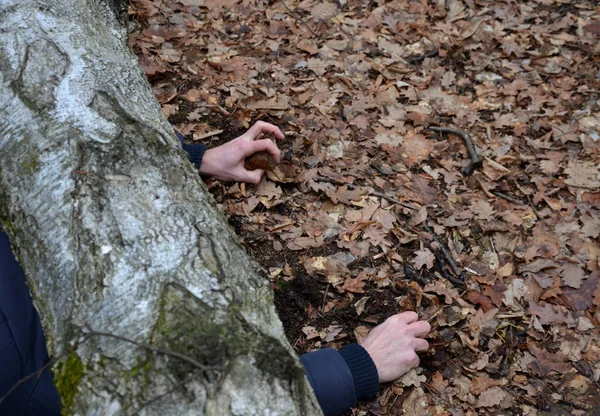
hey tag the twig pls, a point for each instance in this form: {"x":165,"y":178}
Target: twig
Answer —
{"x":420,"y":58}
{"x":439,"y":261}
{"x":393,"y":200}
{"x":508,"y":198}
{"x":298,"y":19}
{"x":371,"y":192}
{"x":476,"y":159}
{"x":325,"y":298}
{"x":39,"y":372}
{"x":412,"y":274}
{"x":219,"y":109}
{"x":91,"y":333}
{"x":535,"y":211}
{"x":378,"y":169}
{"x":182,"y":357}
{"x":446,"y":252}
{"x":207,"y":135}
{"x":160,"y":396}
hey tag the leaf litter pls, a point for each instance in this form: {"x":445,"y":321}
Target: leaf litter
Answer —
{"x":373,"y":212}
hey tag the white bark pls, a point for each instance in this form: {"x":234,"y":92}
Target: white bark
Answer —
{"x":115,"y":230}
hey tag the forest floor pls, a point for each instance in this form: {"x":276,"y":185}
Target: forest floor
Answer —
{"x":372,"y":212}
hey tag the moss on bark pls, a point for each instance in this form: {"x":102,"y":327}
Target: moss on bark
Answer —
{"x":67,"y":377}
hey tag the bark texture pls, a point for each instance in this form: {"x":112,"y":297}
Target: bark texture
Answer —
{"x":115,"y":230}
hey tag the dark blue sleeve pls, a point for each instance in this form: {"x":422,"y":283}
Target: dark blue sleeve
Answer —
{"x":340,"y":379}
{"x":22,"y":345}
{"x":195,"y":151}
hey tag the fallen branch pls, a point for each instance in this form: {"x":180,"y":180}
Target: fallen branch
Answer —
{"x":476,"y":159}
{"x":446,"y":253}
{"x":439,"y":261}
{"x":413,"y":275}
{"x":420,"y":58}
{"x":508,"y":198}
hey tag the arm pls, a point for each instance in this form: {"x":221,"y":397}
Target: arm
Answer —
{"x":340,"y":379}
{"x":389,"y":351}
{"x":226,"y":162}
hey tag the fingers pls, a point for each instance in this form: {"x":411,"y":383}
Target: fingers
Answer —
{"x":262,"y":127}
{"x":253,"y":176}
{"x":419,"y":329}
{"x":421,"y":344}
{"x":415,"y":361}
{"x":266,"y":144}
{"x":406,"y":317}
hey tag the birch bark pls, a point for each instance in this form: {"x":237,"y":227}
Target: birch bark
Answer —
{"x":116,"y":231}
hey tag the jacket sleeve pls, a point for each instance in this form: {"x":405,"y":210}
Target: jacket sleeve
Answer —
{"x":195,"y":152}
{"x":340,"y":379}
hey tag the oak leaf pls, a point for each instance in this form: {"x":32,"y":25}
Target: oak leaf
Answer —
{"x":423,"y":257}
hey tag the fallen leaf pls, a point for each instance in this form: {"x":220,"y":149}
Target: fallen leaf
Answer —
{"x":583,"y":174}
{"x":268,"y":189}
{"x":310,"y":332}
{"x":495,"y":396}
{"x":418,"y":217}
{"x":546,"y":362}
{"x":412,"y":378}
{"x":423,"y":257}
{"x":549,"y":314}
{"x":515,"y":291}
{"x":483,"y":383}
{"x":438,"y":383}
{"x":416,"y":403}
{"x":572,"y":275}
{"x":361,"y":305}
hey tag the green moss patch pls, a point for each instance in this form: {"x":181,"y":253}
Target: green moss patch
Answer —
{"x":67,"y":377}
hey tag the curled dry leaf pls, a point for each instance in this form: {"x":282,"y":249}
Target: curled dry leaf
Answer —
{"x":260,"y":160}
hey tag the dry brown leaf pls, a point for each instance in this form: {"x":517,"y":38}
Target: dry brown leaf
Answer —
{"x":438,"y":383}
{"x":412,"y":378}
{"x":495,"y":396}
{"x":416,"y":403}
{"x":424,"y":257}
{"x":418,"y":217}
{"x":583,"y":174}
{"x":268,"y":189}
{"x":415,"y":148}
{"x":550,"y":314}
{"x":572,"y":275}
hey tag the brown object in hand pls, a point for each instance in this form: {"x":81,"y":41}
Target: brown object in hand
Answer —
{"x":260,"y":160}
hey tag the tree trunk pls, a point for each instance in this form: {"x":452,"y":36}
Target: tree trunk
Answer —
{"x":117,"y":233}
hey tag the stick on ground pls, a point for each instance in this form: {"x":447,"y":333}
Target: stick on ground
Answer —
{"x":447,"y":255}
{"x":476,"y":159}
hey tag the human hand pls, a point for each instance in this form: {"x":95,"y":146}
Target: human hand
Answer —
{"x":226,"y":162}
{"x":393,"y":345}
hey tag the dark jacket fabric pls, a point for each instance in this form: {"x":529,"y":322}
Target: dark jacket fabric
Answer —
{"x":22,"y":345}
{"x":339,"y":379}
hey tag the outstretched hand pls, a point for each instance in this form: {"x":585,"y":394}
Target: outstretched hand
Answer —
{"x":393,"y":345}
{"x":226,"y":162}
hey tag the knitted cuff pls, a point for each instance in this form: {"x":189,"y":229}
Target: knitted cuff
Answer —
{"x":364,"y":372}
{"x":194,"y":151}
